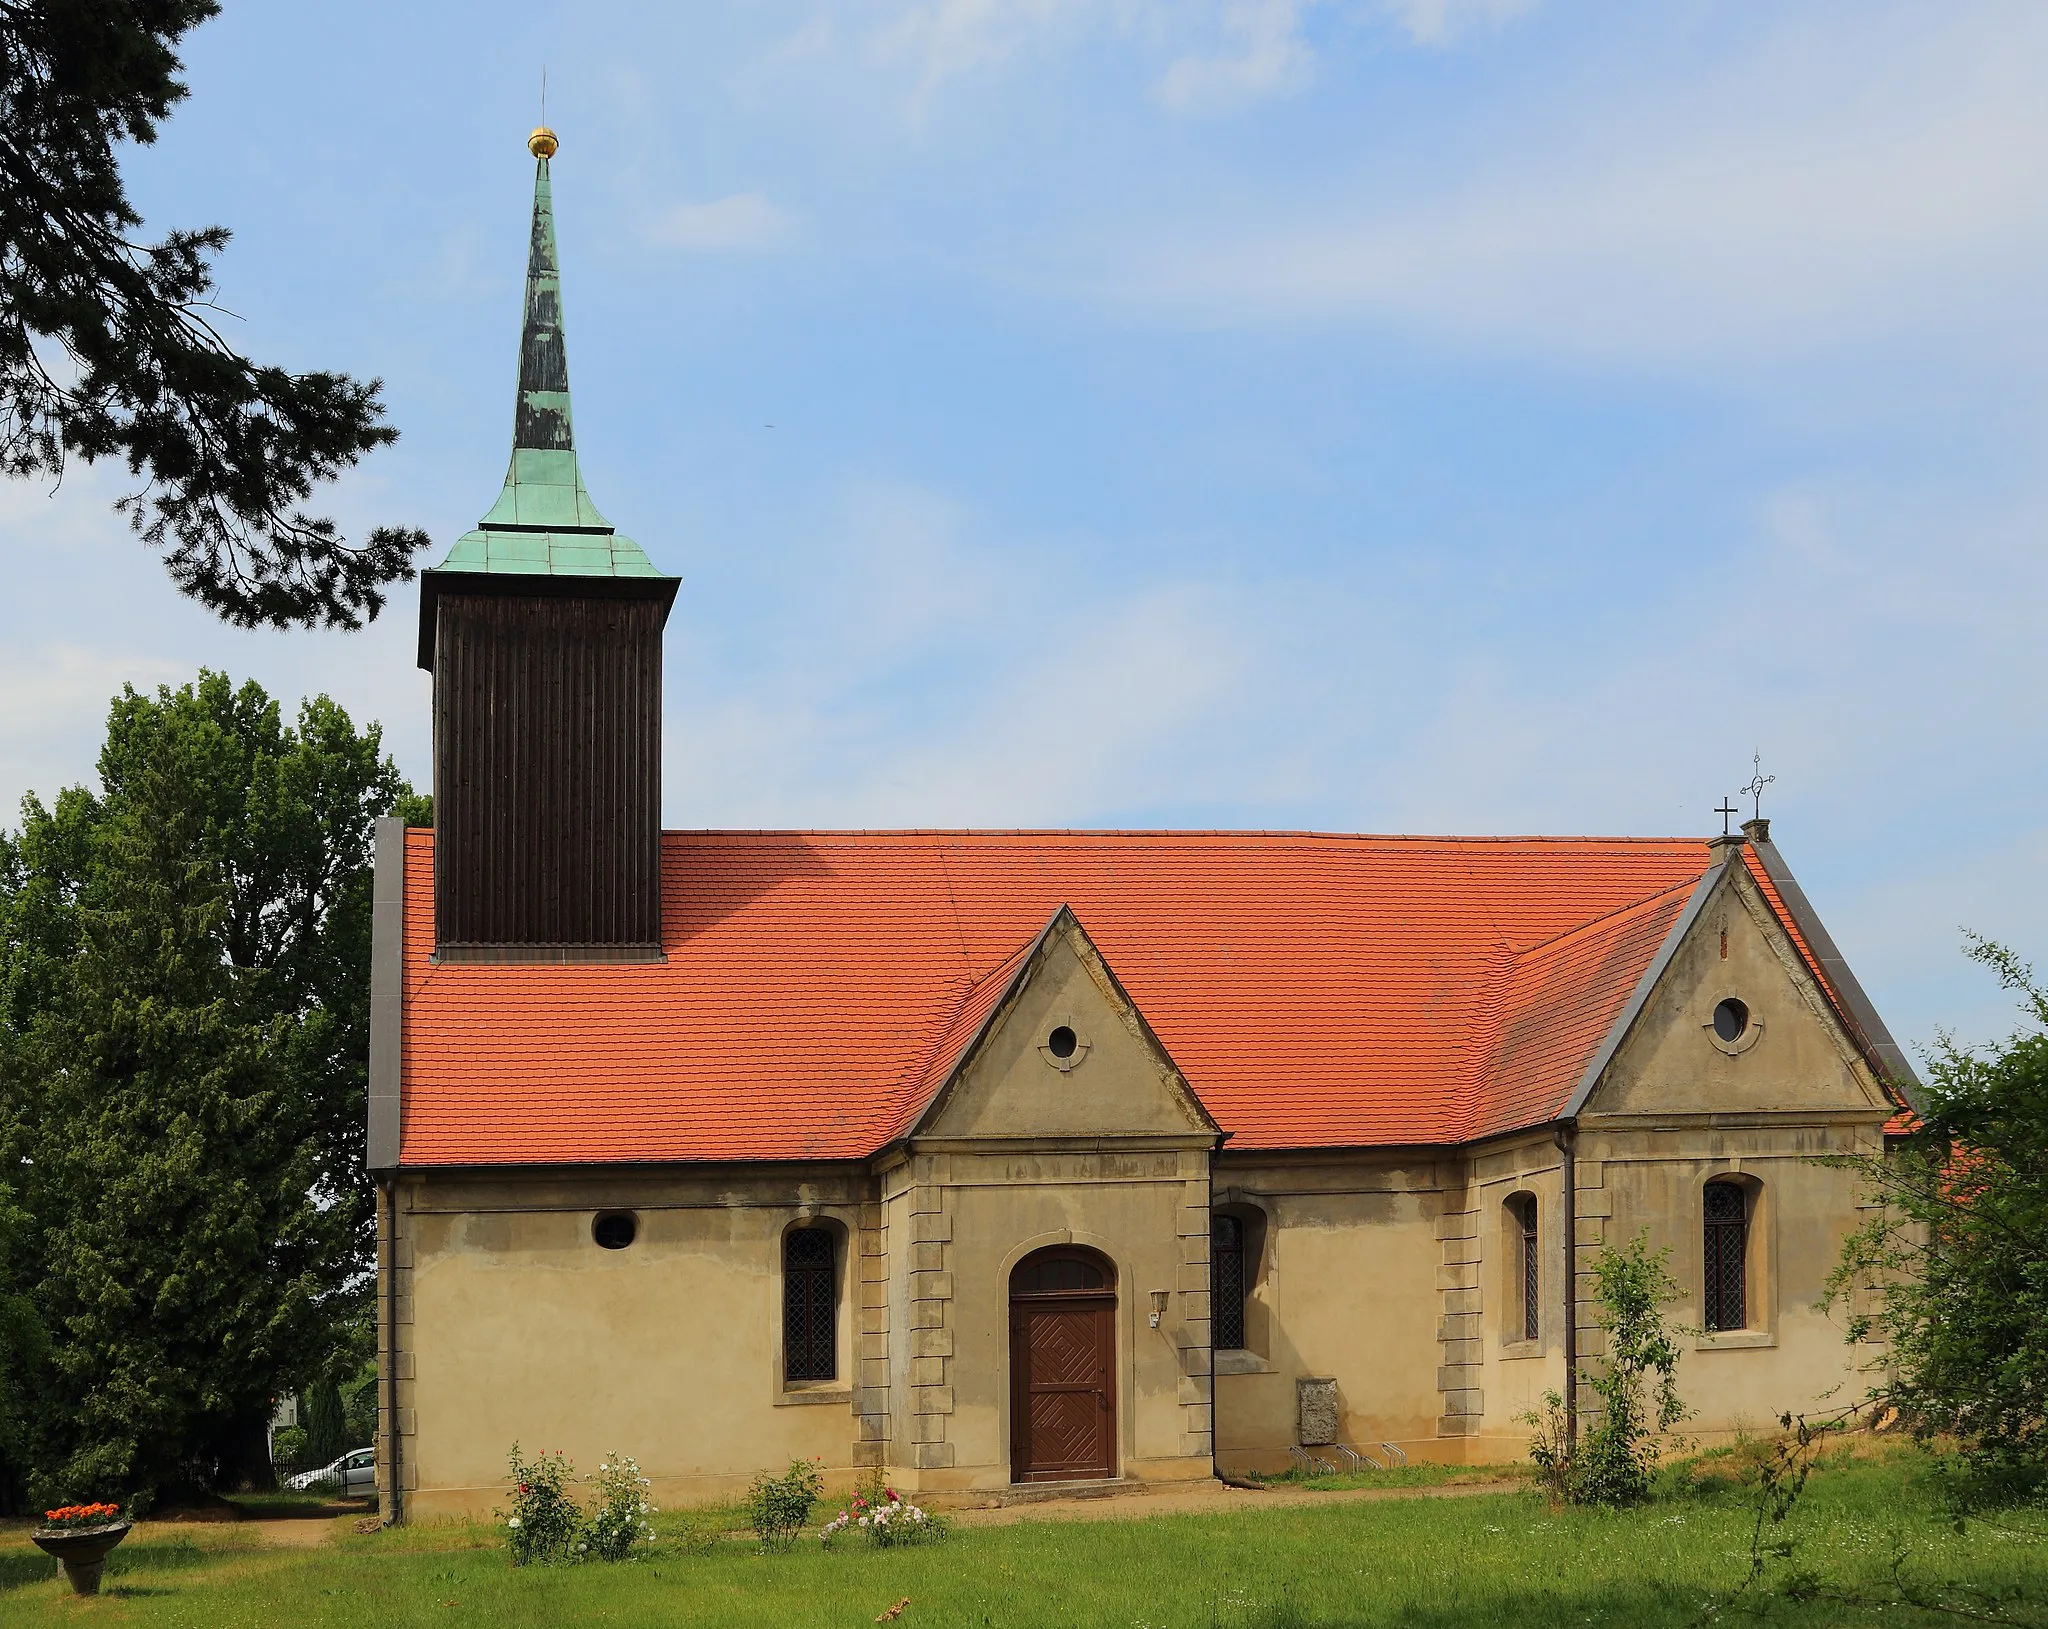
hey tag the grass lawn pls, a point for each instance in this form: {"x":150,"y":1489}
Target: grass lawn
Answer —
{"x":1419,"y":1563}
{"x":1422,"y":1474}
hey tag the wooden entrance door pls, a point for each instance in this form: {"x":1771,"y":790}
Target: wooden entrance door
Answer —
{"x":1062,"y":1367}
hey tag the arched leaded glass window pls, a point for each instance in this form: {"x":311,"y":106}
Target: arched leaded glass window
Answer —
{"x":1528,"y":1260}
{"x":1726,"y":1213}
{"x":810,"y":1345}
{"x":1226,"y":1280}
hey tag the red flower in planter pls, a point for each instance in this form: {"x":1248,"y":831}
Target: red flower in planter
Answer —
{"x":81,"y":1516}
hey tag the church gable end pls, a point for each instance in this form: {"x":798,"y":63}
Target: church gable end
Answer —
{"x":1065,"y":1054}
{"x":1737,"y":1023}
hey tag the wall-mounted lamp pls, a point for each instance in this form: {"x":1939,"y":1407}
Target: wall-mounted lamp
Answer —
{"x":1159,"y":1300}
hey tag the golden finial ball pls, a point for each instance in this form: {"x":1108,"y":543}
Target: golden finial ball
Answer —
{"x":542,"y":143}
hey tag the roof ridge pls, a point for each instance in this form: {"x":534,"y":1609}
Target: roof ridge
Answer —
{"x":1282,"y":832}
{"x":1556,"y":940}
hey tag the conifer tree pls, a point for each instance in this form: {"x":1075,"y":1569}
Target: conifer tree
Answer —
{"x":108,"y":349}
{"x":22,"y":1349}
{"x":326,"y":1426}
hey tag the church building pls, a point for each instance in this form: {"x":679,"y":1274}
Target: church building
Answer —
{"x":1038,"y":1157}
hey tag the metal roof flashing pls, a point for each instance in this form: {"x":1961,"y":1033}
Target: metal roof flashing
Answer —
{"x":1887,"y":1057}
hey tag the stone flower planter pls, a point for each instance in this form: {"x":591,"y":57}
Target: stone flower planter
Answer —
{"x":82,"y":1550}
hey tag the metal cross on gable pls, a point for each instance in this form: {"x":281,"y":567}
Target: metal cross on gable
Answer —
{"x":1757,"y":782}
{"x":1727,"y":812}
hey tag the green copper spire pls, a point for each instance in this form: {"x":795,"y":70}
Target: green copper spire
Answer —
{"x":544,"y":521}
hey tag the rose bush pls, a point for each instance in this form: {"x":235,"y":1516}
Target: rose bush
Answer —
{"x":542,"y":1523}
{"x":882,"y":1516}
{"x":620,"y":1520}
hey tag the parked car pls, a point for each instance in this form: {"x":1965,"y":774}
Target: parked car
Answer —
{"x":354,"y":1475}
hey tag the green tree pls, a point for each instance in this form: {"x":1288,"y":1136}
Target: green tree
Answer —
{"x":1951,"y":1273}
{"x":184,"y":1017}
{"x":226,"y":450}
{"x":22,"y":1350}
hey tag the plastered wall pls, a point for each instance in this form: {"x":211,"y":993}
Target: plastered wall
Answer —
{"x":1346,"y":1280}
{"x":521,"y":1328}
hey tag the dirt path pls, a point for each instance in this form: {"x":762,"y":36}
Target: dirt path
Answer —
{"x":1205,"y":1499}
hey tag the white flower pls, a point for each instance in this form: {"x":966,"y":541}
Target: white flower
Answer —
{"x":582,"y":1546}
{"x":514,"y":1522}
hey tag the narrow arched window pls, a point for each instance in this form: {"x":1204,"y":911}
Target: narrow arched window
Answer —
{"x":1726,"y":1211}
{"x":1528,"y":1262}
{"x":810,"y":1346}
{"x":1226,"y":1280}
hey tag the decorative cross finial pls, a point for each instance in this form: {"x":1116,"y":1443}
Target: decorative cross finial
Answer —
{"x":1757,"y":782}
{"x":1727,"y":812}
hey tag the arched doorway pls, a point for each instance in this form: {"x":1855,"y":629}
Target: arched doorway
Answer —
{"x":1062,"y":1366}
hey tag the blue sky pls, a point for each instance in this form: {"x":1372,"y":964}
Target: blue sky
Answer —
{"x":1422,"y":415}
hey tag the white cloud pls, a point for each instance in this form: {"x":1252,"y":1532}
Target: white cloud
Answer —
{"x":917,"y":675}
{"x":1073,"y":725}
{"x":1825,"y":185}
{"x":1220,"y":55}
{"x":1267,"y":55}
{"x":1439,"y":22}
{"x":53,"y":713}
{"x":742,"y":222}
{"x":943,"y":40}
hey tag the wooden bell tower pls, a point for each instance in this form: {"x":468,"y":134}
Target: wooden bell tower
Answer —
{"x":543,"y":629}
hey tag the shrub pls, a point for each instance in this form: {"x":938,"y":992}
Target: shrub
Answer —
{"x":288,"y":1447}
{"x":778,"y":1507}
{"x":620,"y":1519}
{"x":1637,"y":1387}
{"x":542,"y":1523}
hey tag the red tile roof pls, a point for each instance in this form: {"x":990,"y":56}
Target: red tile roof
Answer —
{"x":1316,"y":991}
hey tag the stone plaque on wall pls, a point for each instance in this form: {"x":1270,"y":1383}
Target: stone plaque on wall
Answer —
{"x":1318,"y":1405}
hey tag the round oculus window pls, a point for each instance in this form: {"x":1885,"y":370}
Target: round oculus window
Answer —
{"x":614,"y":1229}
{"x":1731,"y":1020}
{"x":1062,"y":1042}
